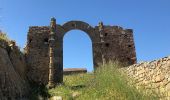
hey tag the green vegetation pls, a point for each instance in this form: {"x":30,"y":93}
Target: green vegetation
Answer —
{"x":107,"y":83}
{"x":3,"y":36}
{"x":38,"y":92}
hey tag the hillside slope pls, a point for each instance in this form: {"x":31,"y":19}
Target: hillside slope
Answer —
{"x":107,"y":83}
{"x":12,"y":85}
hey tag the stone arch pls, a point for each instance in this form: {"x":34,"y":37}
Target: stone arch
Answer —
{"x":82,"y":26}
{"x":59,"y":36}
{"x":108,"y":43}
{"x":79,"y":25}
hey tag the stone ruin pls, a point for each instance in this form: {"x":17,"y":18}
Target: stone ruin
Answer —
{"x":44,"y":49}
{"x":42,"y":62}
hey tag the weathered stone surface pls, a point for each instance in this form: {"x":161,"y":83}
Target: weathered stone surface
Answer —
{"x":56,"y":98}
{"x":12,"y":85}
{"x":37,"y":57}
{"x":18,"y":61}
{"x":153,"y":75}
{"x":75,"y":95}
{"x":113,"y":43}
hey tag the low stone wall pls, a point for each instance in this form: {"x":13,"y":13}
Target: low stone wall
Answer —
{"x":69,"y":71}
{"x":154,"y":75}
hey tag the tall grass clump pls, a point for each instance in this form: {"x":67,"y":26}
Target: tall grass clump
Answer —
{"x":106,"y":83}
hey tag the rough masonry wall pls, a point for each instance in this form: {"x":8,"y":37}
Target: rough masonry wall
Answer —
{"x":154,"y":75}
{"x":13,"y":86}
{"x":37,"y":57}
{"x":118,"y":44}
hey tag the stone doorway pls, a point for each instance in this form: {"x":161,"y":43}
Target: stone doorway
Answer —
{"x":58,"y":49}
{"x":77,"y":52}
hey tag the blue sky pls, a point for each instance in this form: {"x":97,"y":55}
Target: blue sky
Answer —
{"x":150,"y":20}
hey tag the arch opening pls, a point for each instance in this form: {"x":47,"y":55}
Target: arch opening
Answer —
{"x":77,"y":50}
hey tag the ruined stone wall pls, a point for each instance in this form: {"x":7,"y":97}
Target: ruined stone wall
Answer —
{"x":13,"y":85}
{"x":154,"y":75}
{"x":37,"y":57}
{"x":118,"y":44}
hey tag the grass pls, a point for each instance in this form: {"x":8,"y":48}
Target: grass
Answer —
{"x":107,"y":83}
{"x":3,"y":36}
